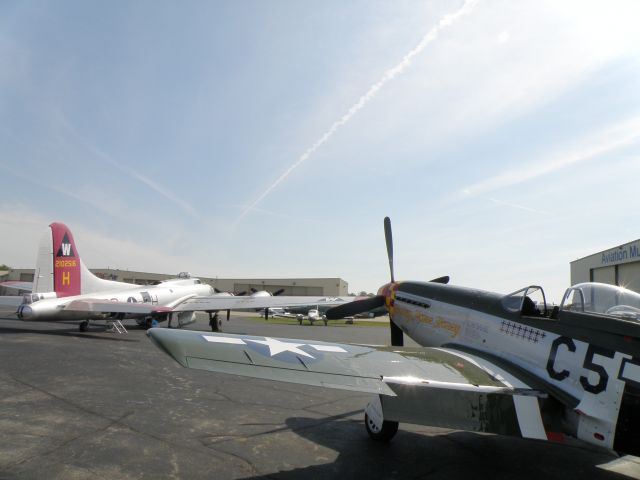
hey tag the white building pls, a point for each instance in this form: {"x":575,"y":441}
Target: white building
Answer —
{"x":616,"y":266}
{"x":292,"y":286}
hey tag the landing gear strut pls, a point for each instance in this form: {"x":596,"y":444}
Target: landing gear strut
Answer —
{"x":84,"y":325}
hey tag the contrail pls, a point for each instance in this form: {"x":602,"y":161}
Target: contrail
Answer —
{"x":589,"y":147}
{"x":128,"y":170}
{"x":389,"y":75}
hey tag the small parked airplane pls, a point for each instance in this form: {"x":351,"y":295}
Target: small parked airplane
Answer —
{"x":312,"y":315}
{"x":65,"y":289}
{"x":489,"y":362}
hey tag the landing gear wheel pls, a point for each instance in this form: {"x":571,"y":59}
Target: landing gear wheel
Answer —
{"x":215,"y":323}
{"x":84,"y":325}
{"x":381,"y":434}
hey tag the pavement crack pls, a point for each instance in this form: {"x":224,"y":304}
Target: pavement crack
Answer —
{"x":110,"y":423}
{"x":252,"y":468}
{"x":73,"y":439}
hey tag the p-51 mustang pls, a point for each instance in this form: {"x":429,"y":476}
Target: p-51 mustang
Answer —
{"x":65,"y":289}
{"x":489,"y":363}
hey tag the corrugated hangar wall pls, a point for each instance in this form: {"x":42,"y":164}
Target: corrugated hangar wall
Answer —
{"x":616,"y":266}
{"x":292,"y":286}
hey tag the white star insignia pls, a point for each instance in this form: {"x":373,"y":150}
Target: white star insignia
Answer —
{"x":276,"y":347}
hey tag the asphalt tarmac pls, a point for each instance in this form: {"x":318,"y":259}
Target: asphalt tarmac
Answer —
{"x":101,"y":405}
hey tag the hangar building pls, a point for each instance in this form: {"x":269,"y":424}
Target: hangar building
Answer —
{"x":291,"y":286}
{"x":617,"y":266}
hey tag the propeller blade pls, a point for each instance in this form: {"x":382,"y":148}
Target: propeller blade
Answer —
{"x":228,"y":315}
{"x":217,"y":290}
{"x":278,"y":292}
{"x":266,"y":313}
{"x":389,"y":239}
{"x":444,"y":279}
{"x":240,"y":294}
{"x":357,"y":306}
{"x":397,"y":336}
{"x":253,"y":290}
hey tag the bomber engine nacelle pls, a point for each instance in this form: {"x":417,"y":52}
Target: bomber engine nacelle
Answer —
{"x":25,"y":311}
{"x":185,"y":318}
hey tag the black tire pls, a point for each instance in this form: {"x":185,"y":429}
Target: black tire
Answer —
{"x":385,"y":434}
{"x":216,"y":325}
{"x":83,"y":326}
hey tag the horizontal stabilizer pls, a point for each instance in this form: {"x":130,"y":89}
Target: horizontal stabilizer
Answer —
{"x":16,"y":285}
{"x":10,"y":302}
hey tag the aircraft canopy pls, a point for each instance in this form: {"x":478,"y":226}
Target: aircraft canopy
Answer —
{"x":601,"y":298}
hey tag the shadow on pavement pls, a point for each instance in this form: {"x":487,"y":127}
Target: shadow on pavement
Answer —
{"x":454,"y":455}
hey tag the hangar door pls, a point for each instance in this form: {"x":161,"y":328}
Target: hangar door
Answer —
{"x":629,"y":275}
{"x":604,"y":275}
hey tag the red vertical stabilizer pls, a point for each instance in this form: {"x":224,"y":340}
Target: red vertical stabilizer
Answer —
{"x":66,"y":262}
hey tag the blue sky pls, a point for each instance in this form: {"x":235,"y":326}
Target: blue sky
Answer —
{"x":270,"y":138}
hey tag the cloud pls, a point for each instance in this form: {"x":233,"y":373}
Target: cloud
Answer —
{"x":390,"y":74}
{"x":605,"y":141}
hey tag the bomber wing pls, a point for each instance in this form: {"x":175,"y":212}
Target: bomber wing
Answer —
{"x":432,"y":386}
{"x":91,"y":305}
{"x":190,"y":303}
{"x":215,"y":303}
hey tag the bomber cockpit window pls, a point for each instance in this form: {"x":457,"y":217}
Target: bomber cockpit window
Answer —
{"x":604,"y":299}
{"x":529,"y":301}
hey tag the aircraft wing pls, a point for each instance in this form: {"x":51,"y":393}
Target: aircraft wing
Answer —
{"x":16,"y":285}
{"x":288,"y":315}
{"x":214,"y":303}
{"x":105,"y":306}
{"x":432,"y":386}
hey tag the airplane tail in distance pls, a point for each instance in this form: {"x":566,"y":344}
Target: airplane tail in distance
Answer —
{"x":67,"y":276}
{"x":60,"y":270}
